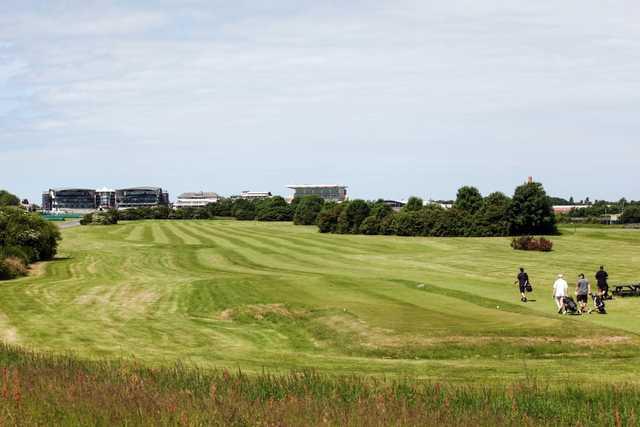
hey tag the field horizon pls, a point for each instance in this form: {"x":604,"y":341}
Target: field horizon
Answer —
{"x":278,"y":298}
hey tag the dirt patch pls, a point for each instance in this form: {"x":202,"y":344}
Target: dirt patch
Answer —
{"x":38,"y":269}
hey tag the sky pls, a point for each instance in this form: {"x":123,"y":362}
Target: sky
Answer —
{"x":390,"y":97}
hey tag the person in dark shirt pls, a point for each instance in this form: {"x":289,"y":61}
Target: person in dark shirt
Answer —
{"x":601,"y":280}
{"x":583,"y":290}
{"x":522,"y":281}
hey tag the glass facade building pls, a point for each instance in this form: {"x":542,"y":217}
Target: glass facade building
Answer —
{"x":105,"y":198}
{"x":330,"y":193}
{"x":141,"y":197}
{"x":69,"y":200}
{"x":198,"y":199}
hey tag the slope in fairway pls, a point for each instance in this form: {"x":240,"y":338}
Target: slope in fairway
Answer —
{"x":276,"y":296}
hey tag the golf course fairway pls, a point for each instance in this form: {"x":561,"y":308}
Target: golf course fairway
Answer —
{"x":278,"y":297}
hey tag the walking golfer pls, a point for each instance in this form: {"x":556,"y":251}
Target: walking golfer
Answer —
{"x":560,"y":288}
{"x":522,"y":281}
{"x":602,"y":282}
{"x":583,"y":290}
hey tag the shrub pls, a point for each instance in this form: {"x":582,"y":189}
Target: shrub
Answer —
{"x":530,"y":243}
{"x":370,"y":226}
{"x":8,"y":199}
{"x":12,"y":267}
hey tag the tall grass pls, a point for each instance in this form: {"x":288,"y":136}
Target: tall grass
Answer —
{"x":55,"y":390}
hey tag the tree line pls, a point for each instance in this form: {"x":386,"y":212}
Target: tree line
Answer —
{"x":529,"y":211}
{"x":268,"y":209}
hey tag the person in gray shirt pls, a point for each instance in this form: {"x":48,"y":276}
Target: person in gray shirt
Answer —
{"x":583,"y":290}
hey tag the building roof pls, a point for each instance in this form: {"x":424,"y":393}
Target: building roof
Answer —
{"x":140,"y":188}
{"x":294,"y":186}
{"x":105,"y":190}
{"x":72,"y":189}
{"x":198,"y":195}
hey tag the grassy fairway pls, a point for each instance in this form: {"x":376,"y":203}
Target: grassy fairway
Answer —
{"x":276,"y":296}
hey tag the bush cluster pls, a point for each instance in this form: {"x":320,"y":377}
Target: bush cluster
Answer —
{"x":530,"y":243}
{"x":109,"y":217}
{"x":8,"y":199}
{"x":24,"y":238}
{"x":529,"y":211}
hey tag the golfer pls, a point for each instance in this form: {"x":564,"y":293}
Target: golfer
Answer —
{"x":560,"y":288}
{"x":522,"y":281}
{"x":583,"y":290}
{"x":601,"y":279}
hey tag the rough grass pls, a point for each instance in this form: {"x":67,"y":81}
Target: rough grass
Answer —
{"x":42,"y":389}
{"x":254,"y":296}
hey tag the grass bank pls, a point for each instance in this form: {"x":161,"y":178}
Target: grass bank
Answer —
{"x":45,"y":389}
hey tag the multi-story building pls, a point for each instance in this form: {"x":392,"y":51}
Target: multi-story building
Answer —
{"x":195,"y":200}
{"x":255,"y":194}
{"x":329,"y":192}
{"x":71,"y":200}
{"x":140,"y":197}
{"x":105,"y":198}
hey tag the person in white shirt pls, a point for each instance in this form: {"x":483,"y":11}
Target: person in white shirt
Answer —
{"x":560,"y":290}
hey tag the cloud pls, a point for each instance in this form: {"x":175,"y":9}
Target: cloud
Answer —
{"x":437,"y":90}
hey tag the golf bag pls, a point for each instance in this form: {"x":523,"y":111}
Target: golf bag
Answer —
{"x":598,"y":303}
{"x":570,"y":305}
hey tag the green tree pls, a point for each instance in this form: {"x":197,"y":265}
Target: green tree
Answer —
{"x":8,"y":199}
{"x":352,"y":216}
{"x":408,"y":223}
{"x":531,"y":211}
{"x":328,"y":217}
{"x":307,"y":210}
{"x":273,"y":209}
{"x":631,"y":214}
{"x":413,"y":204}
{"x":244,"y":210}
{"x":380,"y":210}
{"x":370,"y":226}
{"x":468,"y":199}
{"x":493,"y":217}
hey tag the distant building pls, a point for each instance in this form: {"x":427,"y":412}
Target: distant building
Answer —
{"x":396,"y":205}
{"x":329,"y":192}
{"x":141,"y":197}
{"x":255,"y":195}
{"x":70,"y":200}
{"x":563,"y":209}
{"x":105,"y":198}
{"x":610,"y":219}
{"x":195,"y":200}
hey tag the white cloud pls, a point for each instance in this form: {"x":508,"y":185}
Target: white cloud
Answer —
{"x":408,"y":82}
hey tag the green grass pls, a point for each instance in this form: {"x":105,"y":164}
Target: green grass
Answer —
{"x":43,"y":389}
{"x":228,"y":294}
